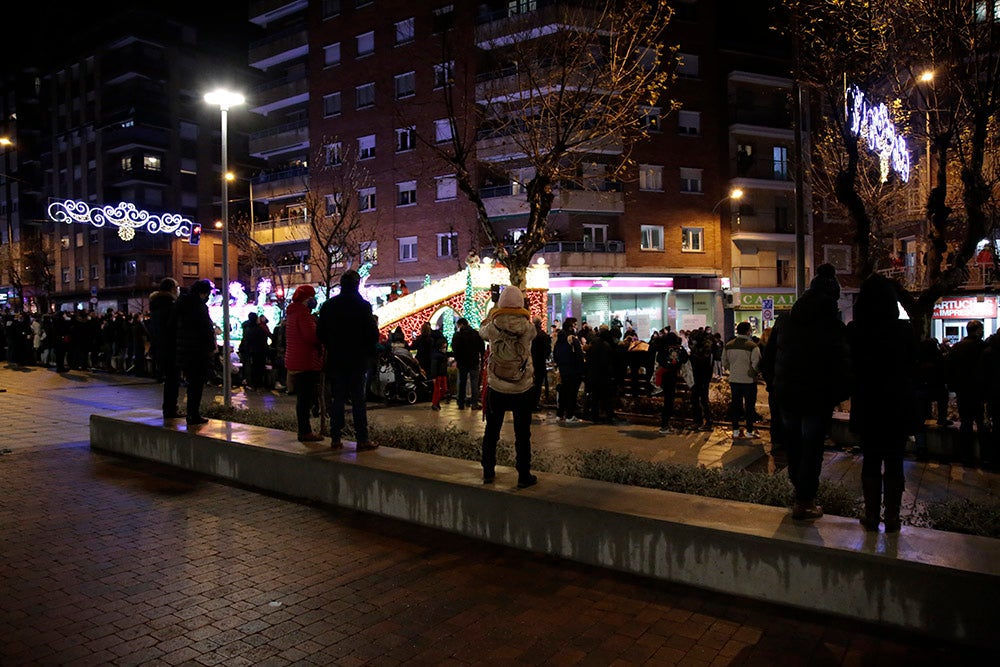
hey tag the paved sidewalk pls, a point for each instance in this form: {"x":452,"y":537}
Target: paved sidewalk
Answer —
{"x":104,"y":561}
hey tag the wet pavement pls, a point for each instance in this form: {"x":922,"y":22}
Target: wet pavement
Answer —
{"x":105,"y":561}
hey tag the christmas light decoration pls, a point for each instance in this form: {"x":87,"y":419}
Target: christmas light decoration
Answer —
{"x":875,"y":125}
{"x":470,"y":309}
{"x":125,"y":216}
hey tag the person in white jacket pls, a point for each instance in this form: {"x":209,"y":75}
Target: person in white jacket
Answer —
{"x":510,"y":383}
{"x":741,"y":357}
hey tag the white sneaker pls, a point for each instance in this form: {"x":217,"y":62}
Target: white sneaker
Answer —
{"x":572,"y":420}
{"x":667,"y":431}
{"x":753,"y":434}
{"x":736,"y":434}
{"x":656,"y":391}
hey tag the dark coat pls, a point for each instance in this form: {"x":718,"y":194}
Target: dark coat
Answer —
{"x":989,"y":371}
{"x":195,"y":331}
{"x":962,"y":367}
{"x":541,"y":349}
{"x":600,"y":363}
{"x":812,"y":364}
{"x":568,"y":354}
{"x":884,"y":358}
{"x":348,"y":330}
{"x":162,"y":326}
{"x":467,"y":346}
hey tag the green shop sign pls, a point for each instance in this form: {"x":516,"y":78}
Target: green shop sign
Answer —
{"x":756,"y":301}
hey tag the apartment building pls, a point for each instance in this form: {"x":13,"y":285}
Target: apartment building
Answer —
{"x":657,"y":248}
{"x":127,"y":123}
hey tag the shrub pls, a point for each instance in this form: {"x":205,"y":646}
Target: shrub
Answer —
{"x":958,"y":515}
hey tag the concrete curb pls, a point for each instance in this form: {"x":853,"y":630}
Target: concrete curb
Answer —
{"x":921,"y":580}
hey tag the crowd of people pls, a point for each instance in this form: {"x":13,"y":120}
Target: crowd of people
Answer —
{"x":809,"y":361}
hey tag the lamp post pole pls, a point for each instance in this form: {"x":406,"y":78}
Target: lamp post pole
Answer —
{"x":225,"y":99}
{"x":7,"y":145}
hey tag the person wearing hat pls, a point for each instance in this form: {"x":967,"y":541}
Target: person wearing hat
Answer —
{"x":163,"y":333}
{"x":196,"y":345}
{"x":303,"y":357}
{"x":510,"y":383}
{"x":349,"y":333}
{"x":811,"y":375}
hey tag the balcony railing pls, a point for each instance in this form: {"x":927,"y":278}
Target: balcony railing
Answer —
{"x":768,"y":170}
{"x":585,"y":246}
{"x":914,"y":278}
{"x":763,"y":276}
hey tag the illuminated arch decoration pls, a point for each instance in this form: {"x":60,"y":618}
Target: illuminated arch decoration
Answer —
{"x":125,"y":216}
{"x":875,"y":126}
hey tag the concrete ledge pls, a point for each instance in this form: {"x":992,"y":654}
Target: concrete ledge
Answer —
{"x":922,"y":580}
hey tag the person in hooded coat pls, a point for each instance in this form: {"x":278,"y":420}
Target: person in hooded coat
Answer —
{"x":883,"y":402}
{"x":303,"y":357}
{"x":510,"y":385}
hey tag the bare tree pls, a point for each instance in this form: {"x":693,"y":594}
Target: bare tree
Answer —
{"x":339,"y":194}
{"x":549,"y":104}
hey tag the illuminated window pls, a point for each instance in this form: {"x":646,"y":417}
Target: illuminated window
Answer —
{"x":689,"y":122}
{"x":331,"y":54}
{"x":65,"y":275}
{"x":366,"y":147}
{"x":406,"y":193}
{"x":366,"y":44}
{"x":405,"y":85}
{"x":404,"y":31}
{"x":151,"y":163}
{"x":780,"y":154}
{"x":365,"y":96}
{"x":515,"y":7}
{"x":690,"y":180}
{"x":406,"y":139}
{"x":652,"y":237}
{"x":126,"y":163}
{"x":447,"y":188}
{"x":651,"y":177}
{"x":331,"y":204}
{"x":407,"y":249}
{"x":692,"y":239}
{"x":369,"y":252}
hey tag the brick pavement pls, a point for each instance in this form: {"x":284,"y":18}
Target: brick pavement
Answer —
{"x":104,"y":561}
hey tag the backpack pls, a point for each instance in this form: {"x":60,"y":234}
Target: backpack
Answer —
{"x":508,"y":359}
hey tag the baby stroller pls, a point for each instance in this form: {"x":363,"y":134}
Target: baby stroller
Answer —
{"x":401,"y":378}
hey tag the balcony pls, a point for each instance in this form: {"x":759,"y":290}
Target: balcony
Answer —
{"x":284,"y":92}
{"x":263,"y":12}
{"x":757,"y":227}
{"x":912,"y":278}
{"x":585,"y":255}
{"x":497,"y":28}
{"x":279,"y":47}
{"x":506,"y":200}
{"x":118,"y":139}
{"x":290,"y":274}
{"x":753,"y":173}
{"x":763,"y":276}
{"x":280,"y":139}
{"x":280,"y":184}
{"x":281,"y":230}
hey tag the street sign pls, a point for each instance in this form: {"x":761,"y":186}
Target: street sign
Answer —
{"x":767,"y":309}
{"x":93,"y":290}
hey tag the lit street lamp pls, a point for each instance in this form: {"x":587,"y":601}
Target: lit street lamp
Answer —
{"x":225,"y":99}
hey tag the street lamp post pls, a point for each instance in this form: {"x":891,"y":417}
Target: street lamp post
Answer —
{"x":225,"y":99}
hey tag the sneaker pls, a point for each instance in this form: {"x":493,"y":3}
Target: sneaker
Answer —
{"x":311,"y":437}
{"x":489,"y":477}
{"x":753,"y":434}
{"x":656,"y":391}
{"x":666,"y":430}
{"x":366,"y":446}
{"x":738,"y":434}
{"x":572,"y":420}
{"x":196,"y":420}
{"x":803,"y":512}
{"x":436,"y":408}
{"x":524,"y":481}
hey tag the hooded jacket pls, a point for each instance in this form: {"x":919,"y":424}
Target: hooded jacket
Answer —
{"x":510,"y":318}
{"x":303,"y":351}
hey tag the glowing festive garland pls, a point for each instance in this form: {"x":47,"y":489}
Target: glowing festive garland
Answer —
{"x":874,"y":124}
{"x":125,"y":216}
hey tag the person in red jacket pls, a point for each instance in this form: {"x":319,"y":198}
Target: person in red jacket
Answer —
{"x":303,"y":357}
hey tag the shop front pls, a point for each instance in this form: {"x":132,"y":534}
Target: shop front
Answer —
{"x":952,"y":314}
{"x":753,"y":307}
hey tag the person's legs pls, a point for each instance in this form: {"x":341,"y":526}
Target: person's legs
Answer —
{"x":496,"y":405}
{"x":814,"y":428}
{"x":568,"y":396}
{"x":359,"y":410}
{"x":791,"y":427}
{"x":195,"y":374}
{"x":338,"y":399}
{"x":306,"y":383}
{"x":171,"y":387}
{"x":871,"y":480}
{"x":521,"y":406}
{"x":669,"y":394}
{"x":751,"y":406}
{"x":893,"y":451}
{"x":966,"y":417}
{"x":463,"y":381}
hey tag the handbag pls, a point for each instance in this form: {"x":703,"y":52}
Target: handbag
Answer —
{"x":660,"y":374}
{"x":687,"y":373}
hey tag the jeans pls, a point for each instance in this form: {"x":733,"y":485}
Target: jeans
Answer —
{"x":970,"y":411}
{"x":465,"y":374}
{"x":883,"y":449}
{"x":669,"y":394}
{"x":348,"y":383}
{"x":306,"y":390}
{"x":196,"y":374}
{"x":700,"y":410}
{"x":521,"y":406}
{"x":804,"y":437}
{"x":568,"y":391}
{"x":744,"y":403}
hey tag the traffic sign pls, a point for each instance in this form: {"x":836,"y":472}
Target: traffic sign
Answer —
{"x":767,"y":309}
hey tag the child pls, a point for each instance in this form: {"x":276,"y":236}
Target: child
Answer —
{"x":439,"y":373}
